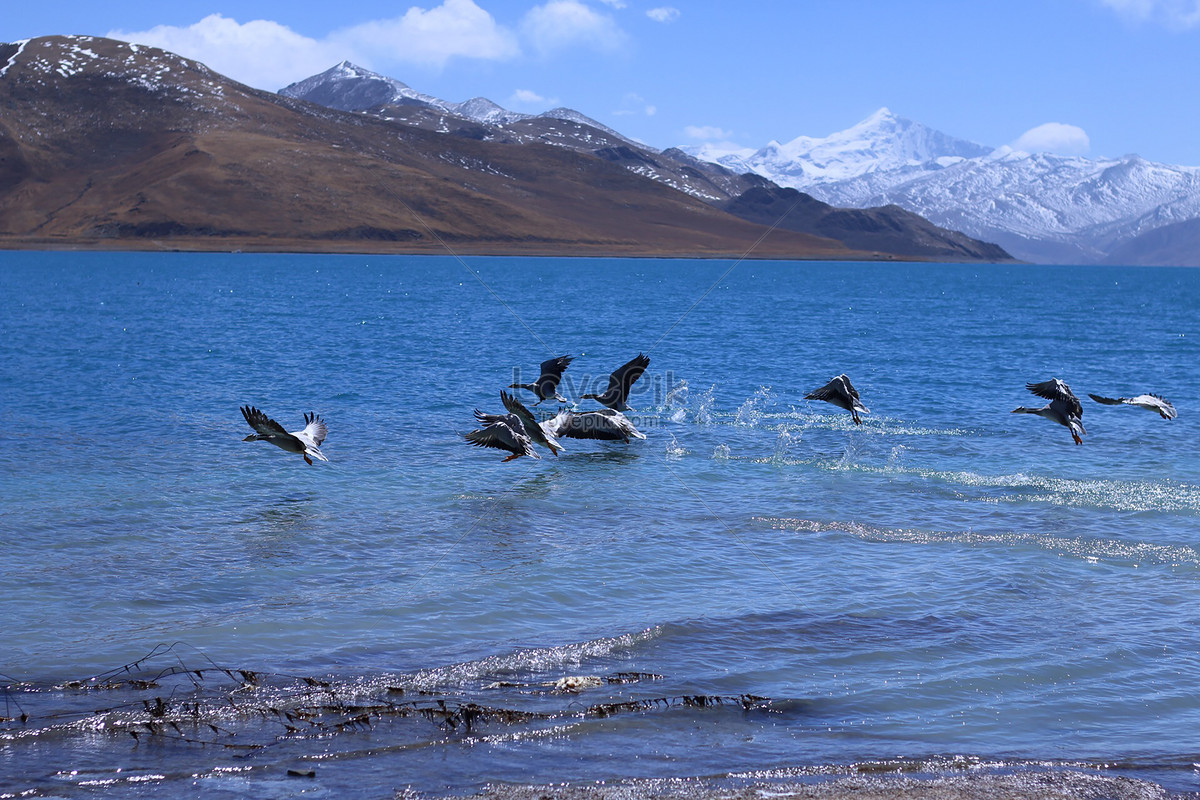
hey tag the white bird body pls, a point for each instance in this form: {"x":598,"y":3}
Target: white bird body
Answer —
{"x":606,"y":424}
{"x":306,"y":442}
{"x":1151,"y":402}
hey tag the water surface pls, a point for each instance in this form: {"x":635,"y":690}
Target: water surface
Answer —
{"x":760,"y":587}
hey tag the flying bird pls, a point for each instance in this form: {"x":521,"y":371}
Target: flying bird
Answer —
{"x":538,"y":432}
{"x":503,"y":432}
{"x":1150,"y":402}
{"x":619,"y":384}
{"x":306,"y":442}
{"x":1064,"y":407}
{"x":547,"y":383}
{"x":606,"y":424}
{"x":842,"y":394}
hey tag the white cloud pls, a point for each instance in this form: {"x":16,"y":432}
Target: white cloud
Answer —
{"x":707,"y":133}
{"x":260,"y":53}
{"x":614,"y":3}
{"x":456,"y":28}
{"x":527,"y":97}
{"x":634,"y":104}
{"x":1178,"y":14}
{"x":663,"y":14}
{"x":1054,"y":137}
{"x":269,"y":55}
{"x":559,"y":24}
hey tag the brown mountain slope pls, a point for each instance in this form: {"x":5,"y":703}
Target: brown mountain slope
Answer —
{"x":888,"y":229}
{"x":113,"y":145}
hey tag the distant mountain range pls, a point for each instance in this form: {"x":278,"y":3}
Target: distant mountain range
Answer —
{"x":889,"y":230}
{"x":1039,"y":207}
{"x":108,"y":144}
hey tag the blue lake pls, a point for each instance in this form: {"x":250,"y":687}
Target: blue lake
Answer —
{"x":758,"y":586}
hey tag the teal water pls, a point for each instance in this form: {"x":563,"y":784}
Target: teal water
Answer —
{"x":949,"y":585}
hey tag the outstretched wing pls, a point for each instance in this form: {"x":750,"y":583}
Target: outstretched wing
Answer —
{"x":1108,"y":401}
{"x":552,"y":370}
{"x":314,"y":430}
{"x":830,"y":391}
{"x":515,"y":406}
{"x":623,"y":377}
{"x":261,"y":423}
{"x":497,"y":435}
{"x":487,"y":419}
{"x":504,"y":434}
{"x":1054,"y":389}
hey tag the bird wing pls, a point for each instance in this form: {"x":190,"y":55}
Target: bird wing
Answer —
{"x":623,"y":377}
{"x":497,"y":435}
{"x":552,"y":370}
{"x":1167,"y":406}
{"x":515,"y":406}
{"x":847,"y":385}
{"x":1054,"y":389}
{"x":314,"y":431}
{"x":1108,"y":401}
{"x":261,"y":423}
{"x":826,"y":392}
{"x":533,"y":429}
{"x":487,"y":419}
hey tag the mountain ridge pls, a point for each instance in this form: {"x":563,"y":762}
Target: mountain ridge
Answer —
{"x":117,"y":145}
{"x":108,"y":144}
{"x":1038,"y":206}
{"x":345,"y":85}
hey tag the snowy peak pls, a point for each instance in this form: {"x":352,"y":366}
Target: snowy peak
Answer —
{"x":349,"y":87}
{"x":1039,"y":206}
{"x":882,"y":141}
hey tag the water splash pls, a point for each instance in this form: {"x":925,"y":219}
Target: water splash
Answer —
{"x":849,"y":459}
{"x":677,"y":397}
{"x":751,"y":411}
{"x":721,"y":452}
{"x":705,"y":407}
{"x":675,"y":450}
{"x":788,"y":438}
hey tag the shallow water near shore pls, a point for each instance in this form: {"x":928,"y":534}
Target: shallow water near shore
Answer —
{"x":760,"y":588}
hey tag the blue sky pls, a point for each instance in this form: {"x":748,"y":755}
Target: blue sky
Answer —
{"x":1108,"y":77}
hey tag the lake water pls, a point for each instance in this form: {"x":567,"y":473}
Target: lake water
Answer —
{"x":758,"y":588}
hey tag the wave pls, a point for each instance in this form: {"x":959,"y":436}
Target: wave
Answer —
{"x":1117,"y":495}
{"x":1083,"y":547}
{"x":529,"y":661}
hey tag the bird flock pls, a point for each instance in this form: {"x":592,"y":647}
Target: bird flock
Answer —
{"x":517,"y":430}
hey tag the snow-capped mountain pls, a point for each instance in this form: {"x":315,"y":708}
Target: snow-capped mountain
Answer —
{"x":1038,"y":206}
{"x":881,"y":142}
{"x":349,"y":87}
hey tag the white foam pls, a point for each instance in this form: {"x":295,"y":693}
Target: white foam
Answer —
{"x":530,"y":660}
